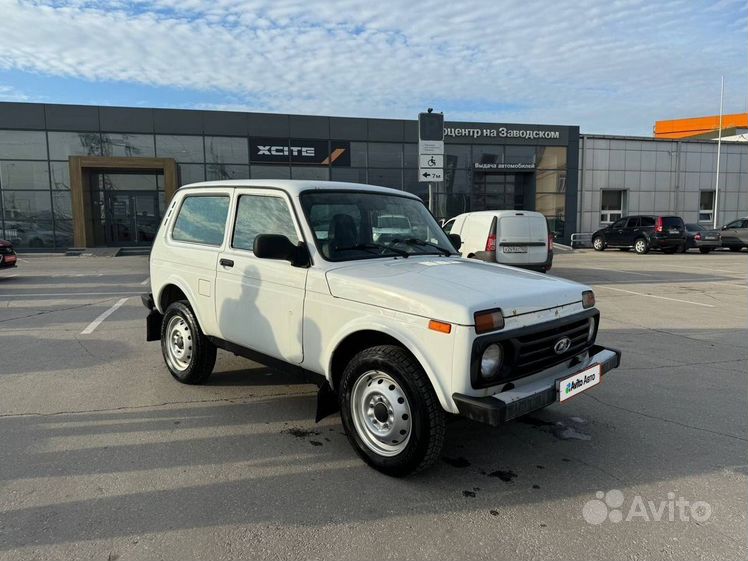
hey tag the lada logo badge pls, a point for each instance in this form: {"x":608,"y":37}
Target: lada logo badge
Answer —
{"x":562,"y":345}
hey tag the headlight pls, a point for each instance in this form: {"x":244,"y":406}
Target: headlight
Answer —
{"x":588,"y":299}
{"x":591,"y":329}
{"x":490,"y":361}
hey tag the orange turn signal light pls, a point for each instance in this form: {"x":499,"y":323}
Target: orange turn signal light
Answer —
{"x":440,"y":326}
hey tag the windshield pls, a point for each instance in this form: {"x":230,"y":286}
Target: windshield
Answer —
{"x":350,"y":225}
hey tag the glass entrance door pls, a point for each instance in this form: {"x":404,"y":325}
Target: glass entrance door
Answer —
{"x":132,"y":218}
{"x":499,"y":191}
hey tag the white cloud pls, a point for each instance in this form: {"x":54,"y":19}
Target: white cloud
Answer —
{"x":610,"y":66}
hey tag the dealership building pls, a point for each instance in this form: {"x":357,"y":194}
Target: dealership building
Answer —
{"x":87,"y":176}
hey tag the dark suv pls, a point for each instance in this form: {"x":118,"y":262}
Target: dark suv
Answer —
{"x":643,"y":232}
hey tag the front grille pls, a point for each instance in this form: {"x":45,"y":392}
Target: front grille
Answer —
{"x":530,"y":349}
{"x":535,"y":352}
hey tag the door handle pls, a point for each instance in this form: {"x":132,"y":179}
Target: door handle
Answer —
{"x":226,"y":262}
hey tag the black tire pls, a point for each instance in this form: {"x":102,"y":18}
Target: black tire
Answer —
{"x":705,"y":250}
{"x":735,"y":248}
{"x":598,"y":243}
{"x":425,"y":438}
{"x":641,"y":246}
{"x":179,"y":320}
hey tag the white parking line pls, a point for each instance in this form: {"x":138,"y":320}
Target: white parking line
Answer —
{"x":21,"y":296}
{"x":146,"y":281}
{"x":658,"y":297}
{"x":95,"y":323}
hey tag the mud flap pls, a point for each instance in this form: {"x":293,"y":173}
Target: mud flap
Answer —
{"x":327,"y":402}
{"x":153,"y":326}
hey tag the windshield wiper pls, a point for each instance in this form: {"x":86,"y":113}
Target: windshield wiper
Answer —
{"x":423,"y":243}
{"x":372,"y":247}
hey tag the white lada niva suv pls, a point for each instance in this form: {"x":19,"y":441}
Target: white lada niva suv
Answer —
{"x":397,"y":328}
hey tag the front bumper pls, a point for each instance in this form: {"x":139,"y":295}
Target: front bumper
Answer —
{"x":524,"y":398}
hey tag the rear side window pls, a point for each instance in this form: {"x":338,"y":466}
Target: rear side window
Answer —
{"x":257,"y":215}
{"x":202,"y":219}
{"x":633,"y":222}
{"x":648,"y":221}
{"x":672,"y":222}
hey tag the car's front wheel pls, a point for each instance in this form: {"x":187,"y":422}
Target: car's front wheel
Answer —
{"x":598,"y":243}
{"x":390,"y":412}
{"x":188,"y":353}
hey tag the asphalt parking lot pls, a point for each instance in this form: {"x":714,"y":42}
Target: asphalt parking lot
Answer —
{"x":105,"y":456}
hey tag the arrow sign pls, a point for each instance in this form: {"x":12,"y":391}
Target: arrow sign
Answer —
{"x":429,"y":174}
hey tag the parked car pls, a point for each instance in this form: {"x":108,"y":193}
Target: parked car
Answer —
{"x":8,"y":256}
{"x":398,"y":335}
{"x":735,"y":234}
{"x":392,"y":226}
{"x":697,"y":236}
{"x":642,"y":233}
{"x":509,"y":237}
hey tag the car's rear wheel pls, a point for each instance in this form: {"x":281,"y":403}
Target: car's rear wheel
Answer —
{"x":189,"y":355}
{"x":641,"y":246}
{"x":390,"y":412}
{"x":705,"y":249}
{"x":598,"y":243}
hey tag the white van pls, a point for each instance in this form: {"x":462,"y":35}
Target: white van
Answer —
{"x":520,"y":238}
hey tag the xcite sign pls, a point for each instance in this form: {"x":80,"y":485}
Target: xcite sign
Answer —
{"x":286,"y":150}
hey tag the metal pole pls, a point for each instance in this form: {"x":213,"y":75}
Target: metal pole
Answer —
{"x":719,"y":149}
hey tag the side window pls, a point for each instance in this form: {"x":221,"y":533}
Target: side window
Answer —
{"x":257,"y":214}
{"x":202,"y":219}
{"x":448,"y":227}
{"x":648,"y":221}
{"x":620,"y":223}
{"x":633,"y":222}
{"x":735,"y":224}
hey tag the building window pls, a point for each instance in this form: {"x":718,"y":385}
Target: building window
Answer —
{"x":612,"y":205}
{"x":706,"y":206}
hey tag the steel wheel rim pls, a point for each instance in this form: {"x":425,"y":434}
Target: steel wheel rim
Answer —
{"x":178,"y":343}
{"x":381,"y":413}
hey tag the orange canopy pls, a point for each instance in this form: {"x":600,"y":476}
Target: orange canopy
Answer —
{"x":697,"y":126}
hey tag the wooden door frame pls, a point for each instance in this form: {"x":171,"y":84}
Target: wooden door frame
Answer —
{"x":81,"y":168}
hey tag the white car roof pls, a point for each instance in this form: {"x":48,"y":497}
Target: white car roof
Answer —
{"x":501,"y":213}
{"x":294,"y":187}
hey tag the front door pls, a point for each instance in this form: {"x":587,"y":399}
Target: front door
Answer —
{"x":261,"y":301}
{"x":132,"y":218}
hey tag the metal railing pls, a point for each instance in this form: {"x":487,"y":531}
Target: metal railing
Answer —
{"x":581,"y":240}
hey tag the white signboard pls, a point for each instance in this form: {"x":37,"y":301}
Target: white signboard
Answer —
{"x":433,"y":161}
{"x":431,"y":147}
{"x":430,"y":174}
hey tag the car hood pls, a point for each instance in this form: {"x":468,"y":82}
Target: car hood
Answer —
{"x":4,"y":243}
{"x":449,"y":288}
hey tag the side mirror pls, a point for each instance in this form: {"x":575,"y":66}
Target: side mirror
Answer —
{"x":724,"y":228}
{"x":456,"y":240}
{"x":277,"y":246}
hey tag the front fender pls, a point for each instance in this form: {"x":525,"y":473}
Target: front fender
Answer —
{"x":415,"y":337}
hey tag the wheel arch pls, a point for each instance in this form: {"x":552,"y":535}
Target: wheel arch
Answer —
{"x":354,"y":341}
{"x":173,"y":289}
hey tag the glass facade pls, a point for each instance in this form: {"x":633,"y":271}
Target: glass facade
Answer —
{"x":36,"y":202}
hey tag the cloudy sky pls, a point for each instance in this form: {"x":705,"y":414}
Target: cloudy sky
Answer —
{"x":611,"y":66}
